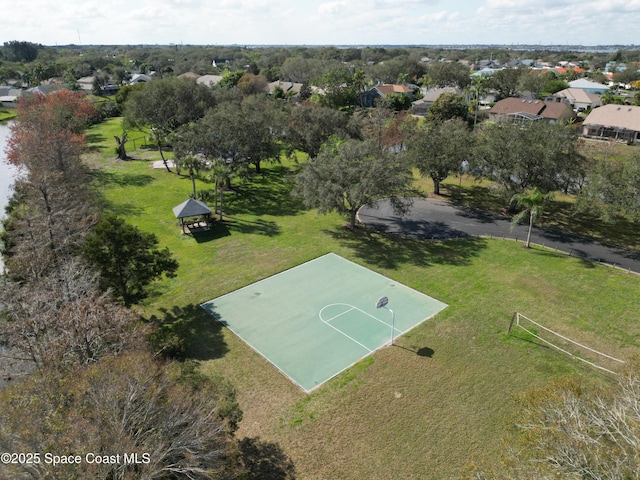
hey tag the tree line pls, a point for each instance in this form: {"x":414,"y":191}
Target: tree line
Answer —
{"x":317,"y":66}
{"x":100,"y":382}
{"x":222,"y":132}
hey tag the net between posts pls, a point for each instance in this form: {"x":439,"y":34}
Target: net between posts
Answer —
{"x":529,"y":326}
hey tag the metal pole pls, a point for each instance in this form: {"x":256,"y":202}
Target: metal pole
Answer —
{"x":382,"y":303}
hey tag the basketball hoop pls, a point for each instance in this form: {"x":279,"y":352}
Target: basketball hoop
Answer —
{"x":382,"y":303}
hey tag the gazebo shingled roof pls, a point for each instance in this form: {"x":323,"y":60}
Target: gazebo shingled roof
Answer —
{"x":191,"y":208}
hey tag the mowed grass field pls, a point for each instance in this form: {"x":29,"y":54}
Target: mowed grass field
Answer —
{"x":430,"y":407}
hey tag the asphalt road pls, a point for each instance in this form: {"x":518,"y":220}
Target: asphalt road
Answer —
{"x":439,"y":220}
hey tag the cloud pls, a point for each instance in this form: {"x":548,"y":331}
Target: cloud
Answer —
{"x":332,"y":8}
{"x":405,"y":4}
{"x":325,"y":21}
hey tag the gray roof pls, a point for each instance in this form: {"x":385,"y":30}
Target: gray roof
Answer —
{"x":584,"y":83}
{"x":433,"y":94}
{"x":191,"y":208}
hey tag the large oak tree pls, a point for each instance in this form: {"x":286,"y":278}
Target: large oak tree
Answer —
{"x":165,"y":105}
{"x":350,"y":174}
{"x":524,"y":155}
{"x":438,"y":149}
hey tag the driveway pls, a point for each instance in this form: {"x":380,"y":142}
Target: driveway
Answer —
{"x":438,"y":220}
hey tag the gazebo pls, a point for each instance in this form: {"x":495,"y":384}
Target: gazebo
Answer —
{"x":193,"y":208}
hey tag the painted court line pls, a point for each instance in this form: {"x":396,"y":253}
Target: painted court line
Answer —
{"x":351,"y":309}
{"x":284,"y":330}
{"x":326,"y":322}
{"x":349,"y":337}
{"x":337,"y":316}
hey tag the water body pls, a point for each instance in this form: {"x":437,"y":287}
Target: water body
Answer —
{"x":7,"y":175}
{"x":7,"y":172}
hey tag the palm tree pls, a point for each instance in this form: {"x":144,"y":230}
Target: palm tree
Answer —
{"x":533,"y":205}
{"x":220,"y":171}
{"x":193,"y":163}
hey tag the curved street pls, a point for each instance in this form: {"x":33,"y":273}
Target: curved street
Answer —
{"x":439,"y":220}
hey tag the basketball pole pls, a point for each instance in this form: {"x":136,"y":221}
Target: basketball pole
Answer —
{"x":382,"y":303}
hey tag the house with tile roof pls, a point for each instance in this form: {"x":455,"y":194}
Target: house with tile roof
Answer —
{"x":522,"y":109}
{"x":618,"y":122}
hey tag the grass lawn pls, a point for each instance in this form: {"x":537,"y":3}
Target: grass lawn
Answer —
{"x":426,"y":408}
{"x":7,"y":114}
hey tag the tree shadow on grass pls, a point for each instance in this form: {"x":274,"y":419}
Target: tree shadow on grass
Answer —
{"x":476,"y":196}
{"x":102,"y":178}
{"x":258,"y":226}
{"x":581,"y":255}
{"x":188,"y":332}
{"x":121,"y":209}
{"x":268,"y":193}
{"x":91,"y":139}
{"x":393,"y":251}
{"x":265,"y":460}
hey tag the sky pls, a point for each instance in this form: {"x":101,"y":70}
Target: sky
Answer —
{"x":322,"y":22}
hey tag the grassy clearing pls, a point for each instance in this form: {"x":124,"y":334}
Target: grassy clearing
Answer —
{"x":102,"y":144}
{"x":425,"y":408}
{"x":7,"y":114}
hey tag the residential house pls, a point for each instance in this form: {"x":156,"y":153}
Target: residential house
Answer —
{"x":589,"y":86}
{"x":615,"y":67}
{"x":86,"y":84}
{"x":557,"y":71}
{"x":514,"y":63}
{"x":139,"y":78}
{"x":520,"y":109}
{"x":485,"y":72}
{"x":620,"y":122}
{"x":290,"y":89}
{"x":209,"y":80}
{"x":533,"y":64}
{"x":491,"y":64}
{"x":579,"y":99}
{"x":421,"y":107}
{"x":9,"y":96}
{"x":368,"y":99}
{"x":46,"y":89}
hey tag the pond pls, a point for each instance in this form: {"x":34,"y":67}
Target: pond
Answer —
{"x":7,"y":175}
{"x":7,"y":172}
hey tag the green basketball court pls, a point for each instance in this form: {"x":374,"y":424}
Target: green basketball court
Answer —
{"x":317,"y":319}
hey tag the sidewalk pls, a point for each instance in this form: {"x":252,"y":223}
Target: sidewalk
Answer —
{"x":439,"y":220}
